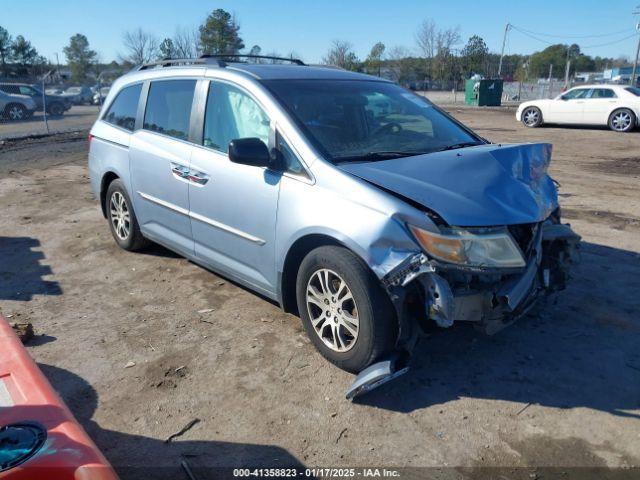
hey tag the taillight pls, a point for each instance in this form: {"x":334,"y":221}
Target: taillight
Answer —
{"x":89,"y":138}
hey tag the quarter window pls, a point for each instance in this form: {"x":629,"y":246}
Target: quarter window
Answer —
{"x":27,"y":91}
{"x":291,"y":162}
{"x":122,"y":111}
{"x":169,"y":107}
{"x":232,"y":114}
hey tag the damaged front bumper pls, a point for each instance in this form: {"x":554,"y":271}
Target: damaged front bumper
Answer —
{"x":425,"y":290}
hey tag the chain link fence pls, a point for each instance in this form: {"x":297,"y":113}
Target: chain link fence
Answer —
{"x":522,"y":92}
{"x":32,"y":107}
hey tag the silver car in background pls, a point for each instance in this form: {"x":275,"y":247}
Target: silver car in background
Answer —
{"x":15,"y":107}
{"x":353,"y":203}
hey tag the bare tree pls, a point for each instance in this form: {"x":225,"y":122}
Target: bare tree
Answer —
{"x":141,"y":47}
{"x":399,"y":63}
{"x":186,"y":42}
{"x":341,"y":55}
{"x":426,"y":38}
{"x":436,"y":43}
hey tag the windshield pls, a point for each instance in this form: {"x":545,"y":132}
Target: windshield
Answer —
{"x":634,"y":90}
{"x":359,"y":120}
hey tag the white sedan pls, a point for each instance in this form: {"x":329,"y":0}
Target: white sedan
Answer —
{"x":617,"y":106}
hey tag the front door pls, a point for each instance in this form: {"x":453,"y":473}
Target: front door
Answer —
{"x":568,"y":108}
{"x":233,"y":206}
{"x":159,"y":156}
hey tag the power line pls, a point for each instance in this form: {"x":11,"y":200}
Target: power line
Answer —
{"x":610,"y":43}
{"x":526,"y":33}
{"x":600,"y":35}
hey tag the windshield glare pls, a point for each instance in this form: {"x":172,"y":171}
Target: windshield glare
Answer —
{"x":351,"y":120}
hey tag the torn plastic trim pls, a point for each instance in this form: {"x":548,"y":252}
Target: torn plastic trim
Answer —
{"x":376,"y":375}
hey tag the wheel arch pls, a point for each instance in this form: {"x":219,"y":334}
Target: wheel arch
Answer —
{"x":295,"y":254}
{"x":106,"y":180}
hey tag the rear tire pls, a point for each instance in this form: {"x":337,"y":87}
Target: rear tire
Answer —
{"x":622,"y":120}
{"x":357,"y":325}
{"x":531,"y":117}
{"x":122,"y":219}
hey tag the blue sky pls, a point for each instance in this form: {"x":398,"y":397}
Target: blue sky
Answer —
{"x":308,"y":27}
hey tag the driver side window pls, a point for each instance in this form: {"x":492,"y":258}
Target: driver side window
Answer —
{"x":574,"y":94}
{"x":230,"y":114}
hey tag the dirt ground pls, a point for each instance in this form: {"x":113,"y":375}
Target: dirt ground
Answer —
{"x":560,"y":388}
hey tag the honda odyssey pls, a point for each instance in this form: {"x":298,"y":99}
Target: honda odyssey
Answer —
{"x":352,"y":202}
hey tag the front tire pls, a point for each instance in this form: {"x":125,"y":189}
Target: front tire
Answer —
{"x":346,"y":313}
{"x":531,"y":117}
{"x":56,"y":109}
{"x":622,"y":120}
{"x":15,"y":112}
{"x":122,"y":219}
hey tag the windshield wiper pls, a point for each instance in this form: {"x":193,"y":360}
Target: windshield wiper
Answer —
{"x":373,"y":156}
{"x":455,"y":146}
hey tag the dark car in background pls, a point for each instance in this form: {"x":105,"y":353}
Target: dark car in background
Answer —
{"x":78,"y":95}
{"x":55,"y":104}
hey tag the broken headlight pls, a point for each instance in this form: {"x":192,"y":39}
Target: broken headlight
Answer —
{"x":486,"y":248}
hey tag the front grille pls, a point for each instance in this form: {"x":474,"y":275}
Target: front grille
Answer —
{"x":524,"y":234}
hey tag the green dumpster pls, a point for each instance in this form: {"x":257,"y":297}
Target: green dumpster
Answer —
{"x":485,"y":92}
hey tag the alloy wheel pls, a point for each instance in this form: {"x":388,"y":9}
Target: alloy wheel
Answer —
{"x":16,"y":112}
{"x":332,"y":310}
{"x":120,"y":217}
{"x":621,"y":121}
{"x":531,"y":116}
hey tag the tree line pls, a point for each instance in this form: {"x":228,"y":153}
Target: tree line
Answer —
{"x":438,"y":57}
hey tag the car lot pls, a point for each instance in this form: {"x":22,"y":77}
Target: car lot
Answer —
{"x":76,"y":118}
{"x":559,"y":388}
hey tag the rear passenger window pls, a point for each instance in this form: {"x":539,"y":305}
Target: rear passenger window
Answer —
{"x":603,"y":93}
{"x":232,"y":114}
{"x":169,"y":107}
{"x":123,"y":109}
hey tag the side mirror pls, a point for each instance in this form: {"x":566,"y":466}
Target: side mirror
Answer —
{"x":249,"y":151}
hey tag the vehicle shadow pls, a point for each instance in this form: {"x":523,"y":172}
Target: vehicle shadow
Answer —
{"x":140,"y":457}
{"x":578,"y":349}
{"x":21,"y":271}
{"x":585,"y":127}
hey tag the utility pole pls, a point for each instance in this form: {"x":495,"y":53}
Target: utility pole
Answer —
{"x":550,"y":79}
{"x":504,"y":42}
{"x":567,"y":68}
{"x":635,"y":62}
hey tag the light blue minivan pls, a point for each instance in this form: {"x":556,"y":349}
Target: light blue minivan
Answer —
{"x":354,"y":203}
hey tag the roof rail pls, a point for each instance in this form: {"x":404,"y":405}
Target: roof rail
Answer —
{"x":172,"y":62}
{"x":223,"y":57}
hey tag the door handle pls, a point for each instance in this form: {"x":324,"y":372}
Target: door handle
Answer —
{"x":179,"y":170}
{"x":198,"y":177}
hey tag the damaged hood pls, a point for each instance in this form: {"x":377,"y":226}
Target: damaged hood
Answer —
{"x":477,"y":186}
